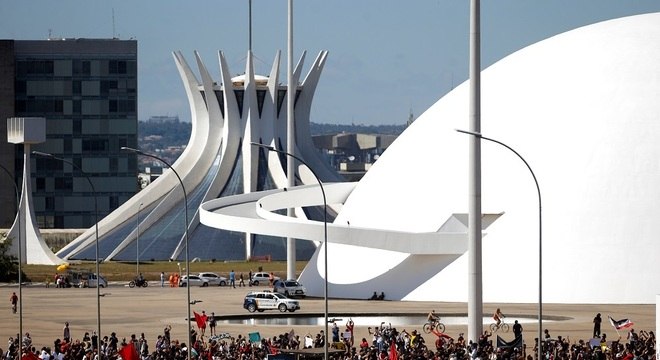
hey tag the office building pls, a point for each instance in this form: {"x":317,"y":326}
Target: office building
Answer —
{"x":87,"y":91}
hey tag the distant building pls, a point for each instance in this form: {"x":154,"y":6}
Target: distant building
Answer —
{"x":164,"y":119}
{"x":87,"y":91}
{"x":353,"y":154}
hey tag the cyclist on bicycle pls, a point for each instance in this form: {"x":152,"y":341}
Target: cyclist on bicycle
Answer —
{"x":433,"y":318}
{"x":497,"y":316}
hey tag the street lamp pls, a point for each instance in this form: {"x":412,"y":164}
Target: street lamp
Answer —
{"x":325,"y":235}
{"x":96,"y":224}
{"x":20,"y":260}
{"x":538,"y":190}
{"x":137,"y":242}
{"x":185,"y":200}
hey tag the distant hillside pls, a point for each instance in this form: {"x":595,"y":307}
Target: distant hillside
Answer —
{"x":325,"y":129}
{"x":163,"y":135}
{"x":169,"y":139}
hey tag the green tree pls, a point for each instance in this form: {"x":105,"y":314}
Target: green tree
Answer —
{"x":8,"y":264}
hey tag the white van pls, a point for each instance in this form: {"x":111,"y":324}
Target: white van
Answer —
{"x":91,"y":281}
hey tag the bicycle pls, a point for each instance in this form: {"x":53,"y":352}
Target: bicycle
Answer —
{"x":503,"y":326}
{"x":429,"y":326}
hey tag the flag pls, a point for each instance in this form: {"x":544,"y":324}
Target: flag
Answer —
{"x":394,"y":355}
{"x":128,"y":352}
{"x":621,"y":324}
{"x":200,"y":320}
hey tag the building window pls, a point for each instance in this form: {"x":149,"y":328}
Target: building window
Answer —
{"x":49,"y":164}
{"x":77,"y":123}
{"x":117,"y":67}
{"x":50,"y":203}
{"x":76,"y":87}
{"x":95,"y":144}
{"x":41,"y":184}
{"x":86,"y":67}
{"x":64,"y":183}
{"x":68,"y":147}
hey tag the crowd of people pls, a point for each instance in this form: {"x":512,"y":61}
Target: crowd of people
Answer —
{"x":385,"y":343}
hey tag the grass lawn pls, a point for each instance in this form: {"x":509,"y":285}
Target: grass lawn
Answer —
{"x":125,"y":270}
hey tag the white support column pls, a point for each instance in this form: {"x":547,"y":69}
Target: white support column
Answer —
{"x":475,"y":296}
{"x":290,"y":141}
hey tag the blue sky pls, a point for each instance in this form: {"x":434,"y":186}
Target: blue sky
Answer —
{"x":385,"y":57}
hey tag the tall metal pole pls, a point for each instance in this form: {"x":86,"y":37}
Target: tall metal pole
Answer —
{"x":325,"y":237}
{"x":475,"y":288}
{"x":96,"y":225}
{"x":250,"y":25}
{"x":137,"y":242}
{"x":290,"y":140}
{"x":538,"y":190}
{"x":20,"y":261}
{"x":185,"y":200}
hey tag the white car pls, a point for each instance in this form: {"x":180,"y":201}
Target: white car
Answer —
{"x":261,"y":277}
{"x":194,"y":281}
{"x":266,"y":300}
{"x":213,"y":278}
{"x":289,"y":288}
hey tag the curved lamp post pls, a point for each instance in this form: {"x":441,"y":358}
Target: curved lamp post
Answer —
{"x":538,"y":190}
{"x":96,"y":224}
{"x":325,"y":236}
{"x":20,"y":261}
{"x":185,"y":200}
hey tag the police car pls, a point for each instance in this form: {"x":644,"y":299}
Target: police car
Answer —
{"x":267,"y":300}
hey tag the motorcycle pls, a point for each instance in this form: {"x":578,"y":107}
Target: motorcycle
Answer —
{"x":138,"y":282}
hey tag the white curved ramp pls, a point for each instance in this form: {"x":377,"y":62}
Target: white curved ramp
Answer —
{"x":256,"y":212}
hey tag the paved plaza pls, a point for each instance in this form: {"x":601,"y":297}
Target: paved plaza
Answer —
{"x":129,"y":311}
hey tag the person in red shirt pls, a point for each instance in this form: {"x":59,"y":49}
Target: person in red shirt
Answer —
{"x":13,"y":299}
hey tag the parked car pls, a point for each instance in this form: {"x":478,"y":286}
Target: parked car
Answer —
{"x":213,"y":278}
{"x":262,"y":277}
{"x":289,"y":288}
{"x":267,"y":300}
{"x":195,"y":280}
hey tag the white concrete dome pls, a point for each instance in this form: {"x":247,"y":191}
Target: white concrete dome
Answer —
{"x":583,"y":108}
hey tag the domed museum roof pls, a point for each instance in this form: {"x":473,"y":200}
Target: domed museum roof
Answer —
{"x":583,"y":109}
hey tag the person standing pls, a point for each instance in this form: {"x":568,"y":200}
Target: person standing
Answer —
{"x":212,"y":324}
{"x":597,"y":321}
{"x":66,"y":332}
{"x":232,"y":279}
{"x":162,"y":279}
{"x":13,"y":299}
{"x":335,"y":332}
{"x":517,"y":329}
{"x":250,"y":278}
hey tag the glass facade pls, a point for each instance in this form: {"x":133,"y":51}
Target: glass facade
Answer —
{"x":87,"y":91}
